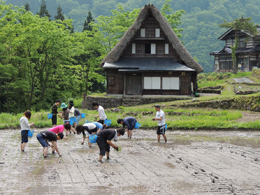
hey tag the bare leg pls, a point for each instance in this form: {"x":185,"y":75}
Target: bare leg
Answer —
{"x":127,"y":133}
{"x":130,"y":134}
{"x":100,"y":158}
{"x":45,"y":150}
{"x":23,"y":146}
{"x":75,"y":125}
{"x":165,"y":139}
{"x":158,"y":138}
{"x":107,"y":153}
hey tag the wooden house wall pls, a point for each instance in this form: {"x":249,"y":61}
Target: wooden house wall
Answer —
{"x":115,"y":82}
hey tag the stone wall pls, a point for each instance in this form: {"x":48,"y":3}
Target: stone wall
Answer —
{"x":114,"y":102}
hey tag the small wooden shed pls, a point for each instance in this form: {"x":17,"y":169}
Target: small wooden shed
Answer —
{"x":150,"y":60}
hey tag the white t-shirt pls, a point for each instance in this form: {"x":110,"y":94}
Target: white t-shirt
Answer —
{"x":160,"y":114}
{"x":90,"y":126}
{"x":101,"y":113}
{"x":71,"y":114}
{"x":24,"y":123}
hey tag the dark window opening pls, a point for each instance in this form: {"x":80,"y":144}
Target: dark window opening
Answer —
{"x":148,"y":48}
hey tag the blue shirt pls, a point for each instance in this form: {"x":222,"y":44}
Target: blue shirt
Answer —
{"x":99,"y":125}
{"x":129,"y":122}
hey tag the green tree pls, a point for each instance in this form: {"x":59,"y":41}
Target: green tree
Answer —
{"x":237,"y":25}
{"x":59,"y":15}
{"x":87,"y":22}
{"x":174,"y":19}
{"x":27,"y":7}
{"x":43,"y":10}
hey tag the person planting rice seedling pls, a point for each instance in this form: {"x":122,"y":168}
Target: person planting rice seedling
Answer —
{"x":104,"y":142}
{"x":160,"y":118}
{"x":99,"y":126}
{"x":129,"y":122}
{"x":90,"y":128}
{"x":44,"y":137}
{"x":25,"y":127}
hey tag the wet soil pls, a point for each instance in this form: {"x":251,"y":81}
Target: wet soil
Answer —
{"x":191,"y":162}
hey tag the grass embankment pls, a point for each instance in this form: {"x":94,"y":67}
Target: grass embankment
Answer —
{"x":175,"y":118}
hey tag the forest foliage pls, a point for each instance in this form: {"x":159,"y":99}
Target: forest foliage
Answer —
{"x":42,"y":60}
{"x":199,"y":22}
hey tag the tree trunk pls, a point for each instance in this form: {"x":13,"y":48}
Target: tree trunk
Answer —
{"x":234,"y":58}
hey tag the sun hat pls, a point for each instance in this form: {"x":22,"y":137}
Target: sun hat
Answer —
{"x":63,"y":105}
{"x":71,"y":103}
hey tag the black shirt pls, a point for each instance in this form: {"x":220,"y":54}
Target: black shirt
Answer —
{"x":49,"y":135}
{"x":107,"y":134}
{"x":54,"y":109}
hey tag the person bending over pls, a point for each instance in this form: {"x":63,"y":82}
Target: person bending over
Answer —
{"x":90,"y":128}
{"x":60,"y":129}
{"x":129,"y":122}
{"x":44,"y":137}
{"x":104,"y":142}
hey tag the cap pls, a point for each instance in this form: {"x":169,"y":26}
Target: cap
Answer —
{"x":157,"y":106}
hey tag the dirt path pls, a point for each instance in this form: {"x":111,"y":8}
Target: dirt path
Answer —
{"x":190,"y":163}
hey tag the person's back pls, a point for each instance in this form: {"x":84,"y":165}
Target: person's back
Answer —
{"x":65,"y":114}
{"x":98,"y":125}
{"x":49,"y":135}
{"x":131,"y":121}
{"x":107,"y":134}
{"x":57,"y":129}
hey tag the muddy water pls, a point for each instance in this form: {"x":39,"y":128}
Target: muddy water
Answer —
{"x":191,"y":162}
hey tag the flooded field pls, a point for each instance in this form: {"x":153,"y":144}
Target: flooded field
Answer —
{"x":191,"y":162}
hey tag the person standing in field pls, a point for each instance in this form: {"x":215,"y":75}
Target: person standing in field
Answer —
{"x":71,"y":114}
{"x":104,"y":142}
{"x":160,"y":118}
{"x":60,"y":128}
{"x":44,"y":137}
{"x":129,"y":122}
{"x":101,"y":113}
{"x":25,"y":127}
{"x":54,"y":112}
{"x":65,"y":113}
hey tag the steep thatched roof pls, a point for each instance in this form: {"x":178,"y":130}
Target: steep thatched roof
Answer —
{"x":117,"y":51}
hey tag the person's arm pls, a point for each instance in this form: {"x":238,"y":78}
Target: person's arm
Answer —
{"x":127,"y":124}
{"x":112,"y":145}
{"x":54,"y":144}
{"x":48,"y":143}
{"x":158,"y":119}
{"x":84,"y":138}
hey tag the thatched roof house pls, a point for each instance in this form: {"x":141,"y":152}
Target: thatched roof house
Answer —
{"x":150,"y":60}
{"x":247,"y":53}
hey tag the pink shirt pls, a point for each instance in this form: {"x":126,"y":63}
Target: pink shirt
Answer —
{"x":57,"y":129}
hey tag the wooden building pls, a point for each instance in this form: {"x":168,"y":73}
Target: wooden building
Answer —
{"x":247,"y":54}
{"x":150,"y":60}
